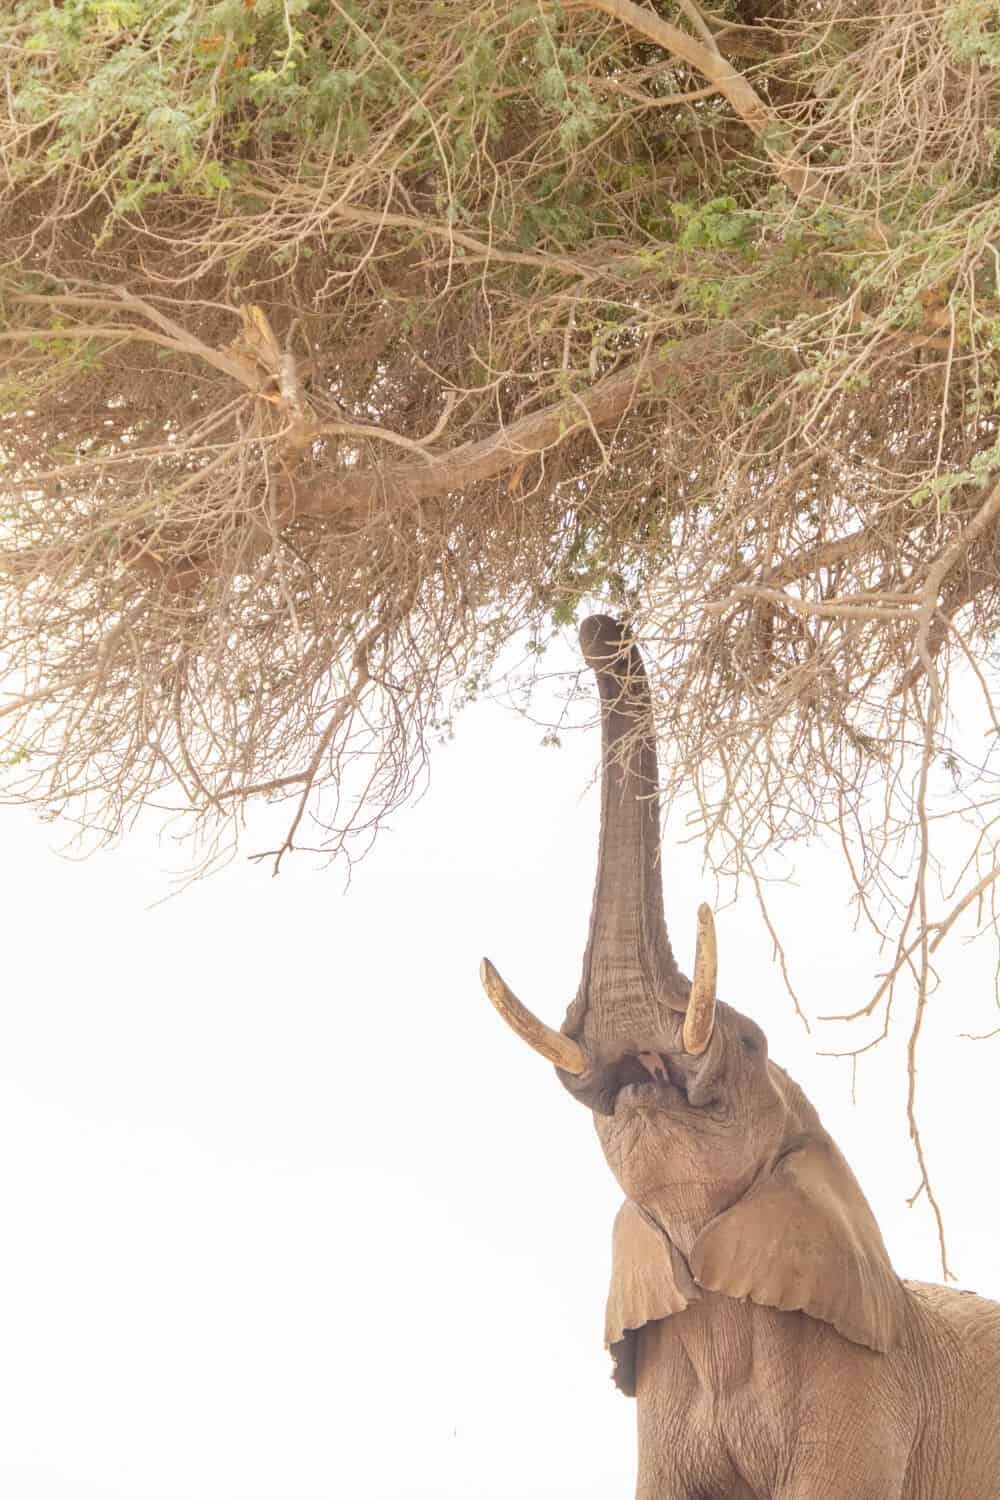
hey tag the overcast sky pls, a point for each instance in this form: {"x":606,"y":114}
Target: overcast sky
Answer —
{"x":288,"y":1213}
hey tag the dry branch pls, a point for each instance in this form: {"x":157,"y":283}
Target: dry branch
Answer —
{"x":705,"y":58}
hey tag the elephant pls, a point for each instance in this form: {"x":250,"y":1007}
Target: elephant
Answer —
{"x":753,"y":1311}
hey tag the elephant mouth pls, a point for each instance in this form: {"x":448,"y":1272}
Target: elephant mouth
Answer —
{"x":639,"y":1082}
{"x":645,"y":1096}
{"x":665,"y":1083}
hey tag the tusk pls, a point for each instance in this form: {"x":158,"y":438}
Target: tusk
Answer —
{"x":700,"y":1017}
{"x":559,"y":1049}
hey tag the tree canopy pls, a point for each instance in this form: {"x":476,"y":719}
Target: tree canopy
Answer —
{"x":344,"y":341}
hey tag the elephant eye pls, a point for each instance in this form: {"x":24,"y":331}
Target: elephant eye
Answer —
{"x":749,"y":1041}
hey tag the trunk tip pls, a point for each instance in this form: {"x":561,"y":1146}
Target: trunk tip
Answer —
{"x":603,"y":640}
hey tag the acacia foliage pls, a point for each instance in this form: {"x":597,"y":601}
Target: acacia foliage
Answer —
{"x":342,"y":341}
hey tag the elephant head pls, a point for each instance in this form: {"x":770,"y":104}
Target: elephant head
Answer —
{"x":732,"y":1185}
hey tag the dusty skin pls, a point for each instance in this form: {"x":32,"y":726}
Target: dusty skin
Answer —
{"x":753,"y":1312}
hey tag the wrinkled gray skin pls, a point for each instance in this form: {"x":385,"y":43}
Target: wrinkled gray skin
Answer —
{"x":753,"y":1312}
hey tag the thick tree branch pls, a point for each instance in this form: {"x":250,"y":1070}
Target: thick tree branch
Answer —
{"x":709,"y":62}
{"x":176,"y":338}
{"x":399,"y":485}
{"x":935,"y":614}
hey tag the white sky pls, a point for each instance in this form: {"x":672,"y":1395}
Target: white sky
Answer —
{"x":289,"y":1214}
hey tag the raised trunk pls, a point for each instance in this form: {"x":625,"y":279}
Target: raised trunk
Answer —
{"x":630,"y":978}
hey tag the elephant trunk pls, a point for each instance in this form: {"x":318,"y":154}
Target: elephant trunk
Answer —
{"x":629,"y":975}
{"x":630,"y":981}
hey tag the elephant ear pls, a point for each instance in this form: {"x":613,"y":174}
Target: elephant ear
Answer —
{"x":649,"y":1280}
{"x":804,"y":1239}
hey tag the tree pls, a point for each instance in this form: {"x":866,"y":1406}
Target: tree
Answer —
{"x":344,"y":341}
